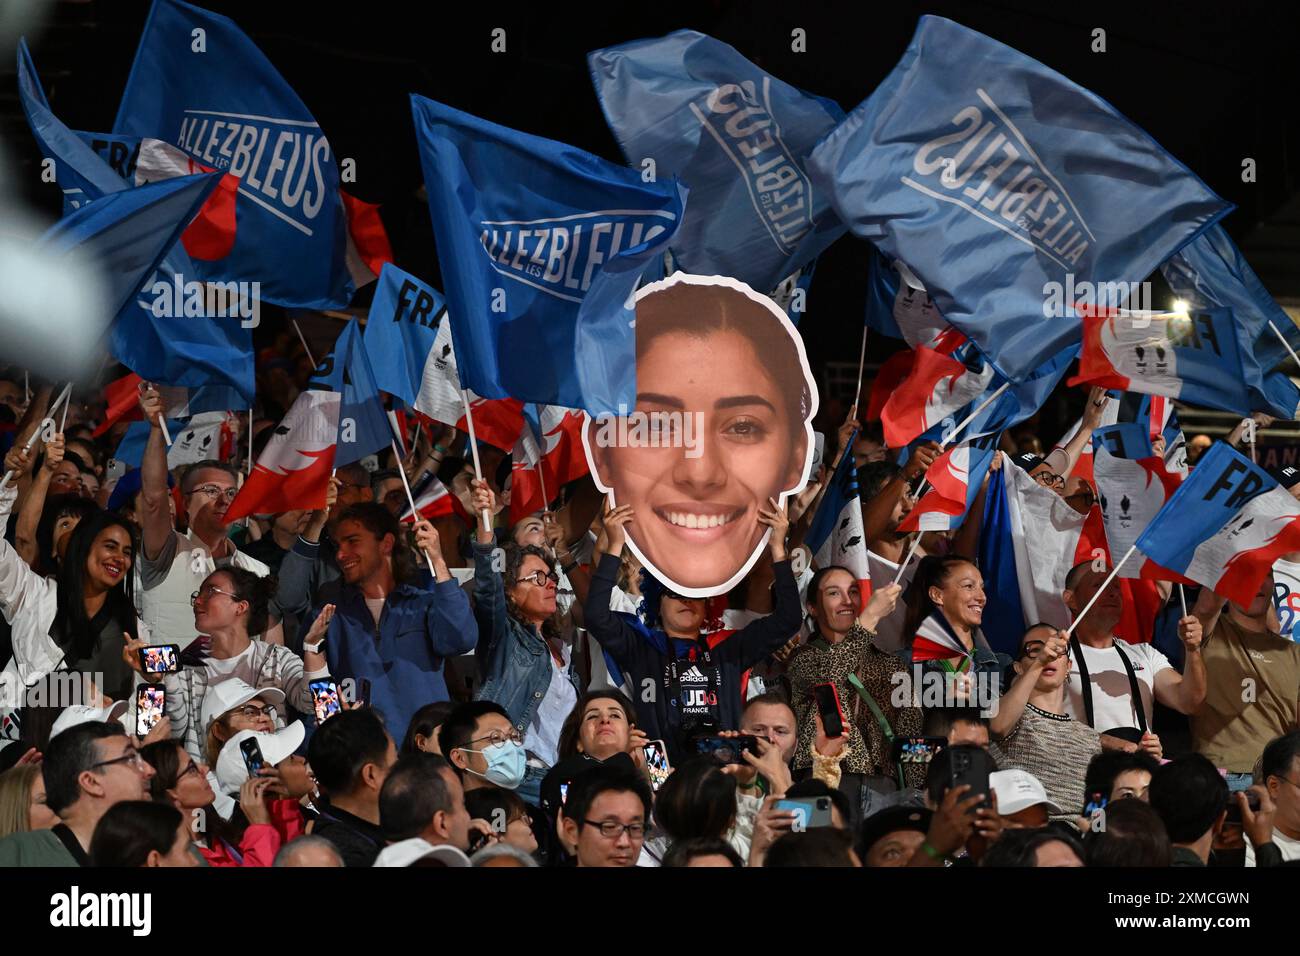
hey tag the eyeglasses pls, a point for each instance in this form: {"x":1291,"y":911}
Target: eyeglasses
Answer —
{"x":612,"y":829}
{"x":1032,"y":649}
{"x":193,"y":768}
{"x":539,"y":578}
{"x":1288,"y":780}
{"x":133,"y":758}
{"x":212,"y":491}
{"x":1049,"y":479}
{"x":252,"y":711}
{"x":208,"y":590}
{"x":497,"y":737}
{"x":349,"y":484}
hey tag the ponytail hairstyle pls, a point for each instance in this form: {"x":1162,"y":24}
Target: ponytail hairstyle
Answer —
{"x":931,"y":572}
{"x":257,"y":591}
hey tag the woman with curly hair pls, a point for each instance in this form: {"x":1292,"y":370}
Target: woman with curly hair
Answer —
{"x":527,"y":667}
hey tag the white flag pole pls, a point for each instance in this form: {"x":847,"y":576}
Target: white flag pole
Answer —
{"x":948,"y":439}
{"x":1285,"y":343}
{"x":1105,"y":584}
{"x":1183,"y":597}
{"x":908,"y":559}
{"x":862,"y":362}
{"x":473,"y":446}
{"x":303,"y":339}
{"x":36,"y":432}
{"x":415,"y":514}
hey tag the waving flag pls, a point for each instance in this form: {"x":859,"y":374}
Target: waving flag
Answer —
{"x":294,"y":468}
{"x":1211,"y":272}
{"x":226,"y":106}
{"x":1189,"y":357}
{"x":836,"y":535}
{"x":737,"y":136}
{"x":1132,"y":486}
{"x":431,"y":501}
{"x":993,"y":176}
{"x":195,"y":440}
{"x":935,"y":641}
{"x":939,"y":386}
{"x":1045,"y":534}
{"x":1223,"y":528}
{"x":954,"y":479}
{"x":408,"y":338}
{"x":212,"y":233}
{"x":541,"y":246}
{"x":363,"y":424}
{"x":550,"y":445}
{"x":123,"y":399}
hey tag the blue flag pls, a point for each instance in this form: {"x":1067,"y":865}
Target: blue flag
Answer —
{"x":541,"y":247}
{"x":1211,"y":272}
{"x":402,"y":329}
{"x":165,"y":338}
{"x":1004,"y":615}
{"x":227,"y":107}
{"x":994,"y":177}
{"x":737,"y":137}
{"x":129,"y":232}
{"x":363,"y":424}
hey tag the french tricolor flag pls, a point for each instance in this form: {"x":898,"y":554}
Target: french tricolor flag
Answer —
{"x":942,"y":381}
{"x":955,"y":479}
{"x":432,"y":501}
{"x":836,"y":535}
{"x":935,"y":641}
{"x":1189,"y":357}
{"x":1133,"y":484}
{"x":1223,"y":528}
{"x":548,"y":455}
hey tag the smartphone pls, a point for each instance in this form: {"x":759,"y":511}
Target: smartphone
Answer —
{"x":160,"y":658}
{"x":326,"y":699}
{"x":564,"y":793}
{"x":1095,"y":801}
{"x":150,"y":706}
{"x":727,"y":750}
{"x":252,"y":755}
{"x":809,"y":812}
{"x":971,"y":766}
{"x":828,"y":706}
{"x":1234,"y":811}
{"x":917,"y":749}
{"x":656,"y":762}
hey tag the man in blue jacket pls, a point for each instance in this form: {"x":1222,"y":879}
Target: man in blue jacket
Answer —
{"x":387,"y":627}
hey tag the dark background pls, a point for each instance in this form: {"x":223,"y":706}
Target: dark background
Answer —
{"x":1214,"y":84}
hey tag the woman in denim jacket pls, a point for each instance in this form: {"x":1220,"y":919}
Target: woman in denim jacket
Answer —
{"x":526,"y":667}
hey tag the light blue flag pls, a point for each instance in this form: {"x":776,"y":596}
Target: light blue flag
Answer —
{"x":541,"y":247}
{"x":363,"y":424}
{"x":994,"y":177}
{"x":737,"y":137}
{"x":1211,"y":272}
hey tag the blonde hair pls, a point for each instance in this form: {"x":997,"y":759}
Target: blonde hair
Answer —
{"x":16,"y":798}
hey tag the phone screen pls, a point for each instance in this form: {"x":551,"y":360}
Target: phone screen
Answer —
{"x":656,"y":762}
{"x":150,"y":705}
{"x":252,"y":755}
{"x":828,"y":706}
{"x":160,"y":658}
{"x":917,"y":749}
{"x":727,"y":750}
{"x":326,"y":699}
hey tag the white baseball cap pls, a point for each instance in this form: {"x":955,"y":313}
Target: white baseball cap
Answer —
{"x":1018,"y":790}
{"x":231,"y":771}
{"x":408,"y":852}
{"x":84,"y":714}
{"x":225,"y":696}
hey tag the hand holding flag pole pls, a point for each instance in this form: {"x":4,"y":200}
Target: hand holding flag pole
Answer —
{"x":1105,"y":584}
{"x":36,"y":432}
{"x":415,"y":512}
{"x":473,"y":446}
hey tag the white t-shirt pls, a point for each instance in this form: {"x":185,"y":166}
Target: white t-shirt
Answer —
{"x":1290,"y":848}
{"x":376,"y":606}
{"x":219,"y":670}
{"x":1286,"y":597}
{"x":1112,"y":698}
{"x":543,"y":736}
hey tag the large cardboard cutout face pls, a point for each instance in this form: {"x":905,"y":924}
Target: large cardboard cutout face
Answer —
{"x":725,"y":402}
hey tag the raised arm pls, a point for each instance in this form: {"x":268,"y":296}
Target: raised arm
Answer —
{"x":877,"y":511}
{"x":299,"y":576}
{"x":758,"y":639}
{"x":155,"y":516}
{"x":1185,"y":692}
{"x":1011,"y":705}
{"x":612,"y":632}
{"x":489,"y":589}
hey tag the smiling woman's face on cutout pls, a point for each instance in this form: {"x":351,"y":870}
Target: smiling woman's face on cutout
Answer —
{"x":695,"y":516}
